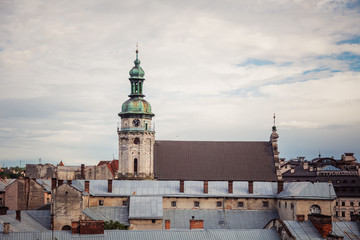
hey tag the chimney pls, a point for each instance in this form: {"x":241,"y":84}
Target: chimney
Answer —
{"x":53,"y":183}
{"x":82,"y":171}
{"x":322,"y":223}
{"x":300,"y":218}
{"x":251,"y":187}
{"x":196,"y":224}
{"x":306,"y":165}
{"x":60,"y":182}
{"x":292,"y":170}
{"x":280,"y":186}
{"x":110,"y":186}
{"x":6,"y":227}
{"x":206,"y":188}
{"x":18,"y":215}
{"x":87,"y":186}
{"x":181,"y":186}
{"x":230,"y":186}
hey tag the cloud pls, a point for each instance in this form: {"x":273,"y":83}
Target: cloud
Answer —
{"x":214,"y":70}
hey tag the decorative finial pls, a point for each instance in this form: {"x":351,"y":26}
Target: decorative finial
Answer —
{"x":137,"y":50}
{"x":274,"y":119}
{"x":274,"y":127}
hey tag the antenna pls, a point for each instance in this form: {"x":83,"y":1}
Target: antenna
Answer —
{"x":319,"y":154}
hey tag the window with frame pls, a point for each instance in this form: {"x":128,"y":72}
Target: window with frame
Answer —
{"x":343,"y":214}
{"x":153,"y":220}
{"x":279,"y":204}
{"x":352,"y":204}
{"x":336,"y":213}
{"x":196,"y":204}
{"x":218,"y":204}
{"x":125,"y":203}
{"x":315,"y":209}
{"x":1,"y":201}
{"x":240,"y":204}
{"x":337,"y":204}
{"x":285,"y":204}
{"x":101,"y":202}
{"x":343,"y":204}
{"x":173,"y":203}
{"x":292,"y":206}
{"x":265,"y":204}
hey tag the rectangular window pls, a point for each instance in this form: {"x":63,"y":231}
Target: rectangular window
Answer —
{"x":153,"y":220}
{"x":173,"y":203}
{"x":336,"y":213}
{"x":343,"y":204}
{"x":240,"y":204}
{"x":1,"y":202}
{"x":101,"y":202}
{"x":285,"y":204}
{"x":47,"y":200}
{"x":196,"y":204}
{"x":125,"y":203}
{"x":218,"y":204}
{"x":337,"y":203}
{"x":292,"y":206}
{"x":265,"y":204}
{"x":342,"y":214}
{"x":351,"y":213}
{"x":279,"y":204}
{"x":352,"y":204}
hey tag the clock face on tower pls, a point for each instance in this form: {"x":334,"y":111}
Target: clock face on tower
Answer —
{"x":136,"y":122}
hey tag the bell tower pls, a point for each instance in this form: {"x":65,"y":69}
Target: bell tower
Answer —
{"x":136,"y":136}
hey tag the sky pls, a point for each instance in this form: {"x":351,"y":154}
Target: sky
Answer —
{"x":214,"y":70}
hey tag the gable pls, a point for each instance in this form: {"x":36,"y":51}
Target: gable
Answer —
{"x":205,"y":160}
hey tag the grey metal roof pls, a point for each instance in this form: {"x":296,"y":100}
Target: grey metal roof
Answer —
{"x":349,"y":230}
{"x":145,"y":207}
{"x":172,"y":188}
{"x":45,"y":183}
{"x":329,"y":168}
{"x":220,"y":219}
{"x":4,"y":183}
{"x":303,"y":230}
{"x":214,"y":160}
{"x":306,"y":230}
{"x":120,"y":214}
{"x":28,"y":223}
{"x":257,"y":234}
{"x":308,"y":190}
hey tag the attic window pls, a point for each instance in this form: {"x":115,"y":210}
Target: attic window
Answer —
{"x":153,"y":220}
{"x":125,"y":203}
{"x":136,"y":141}
{"x":101,"y":202}
{"x":265,"y":204}
{"x":218,"y":204}
{"x":173,"y":203}
{"x":196,"y":204}
{"x":240,"y":204}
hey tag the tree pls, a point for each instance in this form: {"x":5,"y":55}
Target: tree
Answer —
{"x":111,"y":225}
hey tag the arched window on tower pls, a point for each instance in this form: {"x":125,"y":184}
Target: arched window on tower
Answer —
{"x":315,"y":209}
{"x":135,"y":166}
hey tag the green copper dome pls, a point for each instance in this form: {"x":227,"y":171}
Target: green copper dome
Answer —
{"x":136,"y":106}
{"x":137,"y":72}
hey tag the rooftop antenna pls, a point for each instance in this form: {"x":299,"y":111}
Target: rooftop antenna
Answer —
{"x":39,"y":160}
{"x":274,"y":119}
{"x":319,"y":154}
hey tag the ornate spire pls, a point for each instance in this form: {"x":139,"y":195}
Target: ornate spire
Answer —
{"x":137,"y":72}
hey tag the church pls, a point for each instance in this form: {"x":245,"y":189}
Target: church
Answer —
{"x":141,"y":156}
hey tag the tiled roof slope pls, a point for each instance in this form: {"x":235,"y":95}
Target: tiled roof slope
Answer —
{"x":205,"y":160}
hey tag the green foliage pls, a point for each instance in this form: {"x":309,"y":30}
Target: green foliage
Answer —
{"x":111,"y":225}
{"x":12,"y":172}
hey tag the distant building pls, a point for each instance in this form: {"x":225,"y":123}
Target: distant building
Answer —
{"x":343,"y":174}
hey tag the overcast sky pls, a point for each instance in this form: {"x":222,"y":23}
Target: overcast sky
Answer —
{"x":214,"y":70}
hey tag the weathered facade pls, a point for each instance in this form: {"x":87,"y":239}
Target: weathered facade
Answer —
{"x":25,"y":194}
